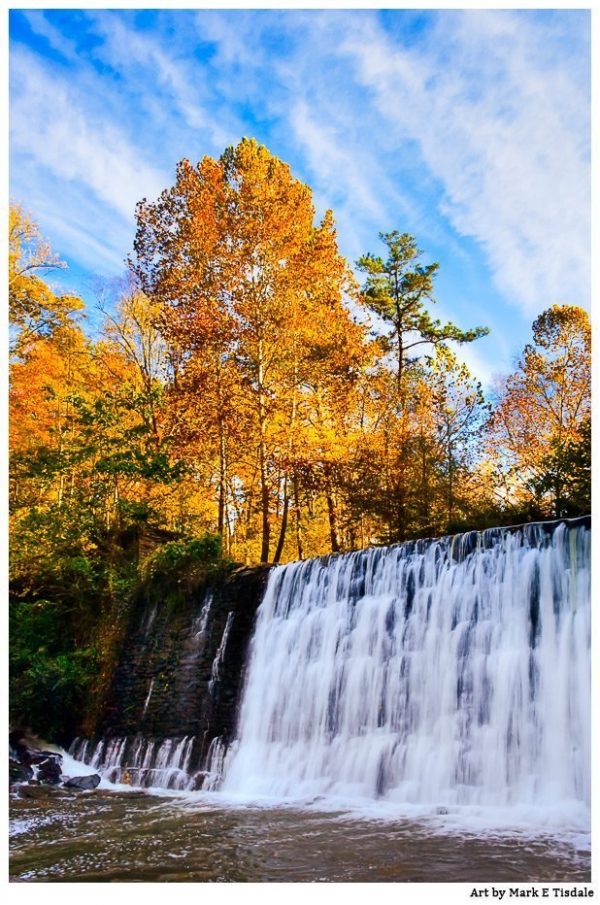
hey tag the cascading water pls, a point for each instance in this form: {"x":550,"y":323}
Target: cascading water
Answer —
{"x":217,"y":662}
{"x":143,"y":762}
{"x":446,"y":673}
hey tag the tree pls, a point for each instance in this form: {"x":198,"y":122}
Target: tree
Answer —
{"x":251,"y":289}
{"x":411,"y":474}
{"x":459,"y":410}
{"x":43,"y":382}
{"x":133,"y":335}
{"x":540,"y":426}
{"x":34,"y":309}
{"x":396,"y":289}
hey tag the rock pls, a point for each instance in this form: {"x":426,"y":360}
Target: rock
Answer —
{"x":81,"y":782}
{"x":28,"y":790}
{"x":18,"y":772}
{"x":38,"y":757}
{"x":18,"y":750}
{"x":441,"y":810}
{"x":29,"y":762}
{"x":47,"y":767}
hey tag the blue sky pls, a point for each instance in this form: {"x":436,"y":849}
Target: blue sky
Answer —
{"x":468,"y":129}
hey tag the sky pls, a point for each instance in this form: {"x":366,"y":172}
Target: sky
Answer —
{"x":468,"y":129}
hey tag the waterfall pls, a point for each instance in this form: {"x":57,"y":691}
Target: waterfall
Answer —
{"x":217,"y":662}
{"x":449,"y":672}
{"x":142,"y":762}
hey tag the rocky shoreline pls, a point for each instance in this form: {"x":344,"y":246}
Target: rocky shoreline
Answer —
{"x":32,"y":766}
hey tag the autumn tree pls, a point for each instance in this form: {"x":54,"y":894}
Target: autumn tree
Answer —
{"x":249,"y":287}
{"x":132,"y":336}
{"x":412,"y":470}
{"x":459,"y":410}
{"x":380,"y":478}
{"x":43,"y":382}
{"x":84,"y":463}
{"x":540,"y":429}
{"x":88,"y":455}
{"x":34,"y":309}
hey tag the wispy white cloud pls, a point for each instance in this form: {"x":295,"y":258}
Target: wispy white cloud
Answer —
{"x":503,"y":128}
{"x":336,"y":167}
{"x":52,"y":123}
{"x":347,"y":177}
{"x":56,"y":39}
{"x":182,"y":84}
{"x":81,"y":228}
{"x":237,"y":43}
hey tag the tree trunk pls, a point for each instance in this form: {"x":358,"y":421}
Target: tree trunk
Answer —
{"x":262,"y":458}
{"x":451,"y":468}
{"x":400,"y":335}
{"x":284,"y":521}
{"x":335,"y":546}
{"x":222,"y":518}
{"x":264,"y":505}
{"x":400,"y":363}
{"x":298,"y":516}
{"x":425,"y":500}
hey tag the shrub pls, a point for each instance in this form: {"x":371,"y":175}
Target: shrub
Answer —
{"x":49,"y":678}
{"x":176,"y":557}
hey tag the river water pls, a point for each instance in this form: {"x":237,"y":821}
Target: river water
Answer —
{"x":117,"y":835}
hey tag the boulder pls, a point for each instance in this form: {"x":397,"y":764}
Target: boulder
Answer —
{"x":81,"y":782}
{"x":18,"y":750}
{"x":35,"y":791}
{"x":28,"y":761}
{"x":47,"y":767}
{"x":18,"y":772}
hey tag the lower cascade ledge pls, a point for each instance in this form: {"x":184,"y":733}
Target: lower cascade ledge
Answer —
{"x":185,"y":763}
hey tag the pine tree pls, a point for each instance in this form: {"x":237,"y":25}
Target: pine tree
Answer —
{"x":396,"y":289}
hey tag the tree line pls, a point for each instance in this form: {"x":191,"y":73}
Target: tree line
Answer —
{"x":247,"y":383}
